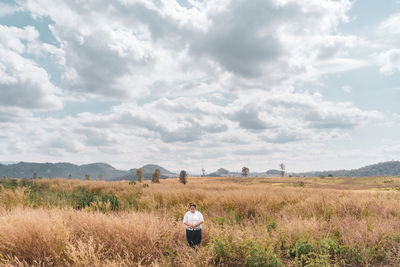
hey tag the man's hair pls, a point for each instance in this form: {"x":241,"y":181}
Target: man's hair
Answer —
{"x":192,"y":205}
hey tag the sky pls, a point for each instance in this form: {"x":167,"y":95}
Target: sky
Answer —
{"x":192,"y":84}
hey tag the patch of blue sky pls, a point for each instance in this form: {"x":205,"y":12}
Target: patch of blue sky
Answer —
{"x":72,"y":108}
{"x":367,"y":89}
{"x":185,"y":3}
{"x":53,"y":69}
{"x":21,"y":19}
{"x":366,"y":15}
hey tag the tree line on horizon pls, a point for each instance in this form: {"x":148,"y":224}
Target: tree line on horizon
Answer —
{"x":155,"y":178}
{"x":246,"y":171}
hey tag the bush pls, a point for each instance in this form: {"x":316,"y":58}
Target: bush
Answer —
{"x":271,"y":226}
{"x":155,"y":178}
{"x":112,"y":199}
{"x":300,"y":184}
{"x":83,"y":198}
{"x":183,"y":177}
{"x":257,"y":255}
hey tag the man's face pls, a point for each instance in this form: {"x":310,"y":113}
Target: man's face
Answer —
{"x":192,"y":209}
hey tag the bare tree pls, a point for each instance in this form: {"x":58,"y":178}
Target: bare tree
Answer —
{"x":183,"y":177}
{"x":156,"y":176}
{"x":140,"y":174}
{"x":203,"y":171}
{"x":282,"y":167}
{"x":245,"y":171}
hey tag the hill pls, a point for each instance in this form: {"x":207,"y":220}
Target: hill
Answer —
{"x":219,"y":172}
{"x":64,"y":169}
{"x":389,"y":168}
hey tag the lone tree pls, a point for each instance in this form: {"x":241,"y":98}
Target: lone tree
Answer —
{"x":245,"y":171}
{"x":282,"y":167}
{"x":101,"y":177}
{"x":155,"y":178}
{"x":204,"y":172}
{"x":70,"y":176}
{"x":140,"y":174}
{"x":87,"y":177}
{"x":35,"y":175}
{"x":183,"y":177}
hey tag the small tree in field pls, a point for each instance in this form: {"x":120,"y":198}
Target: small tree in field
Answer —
{"x":140,"y":174}
{"x":35,"y":175}
{"x":245,"y":171}
{"x":70,"y":176}
{"x":282,"y":167}
{"x":156,"y":176}
{"x":87,"y":177}
{"x":183,"y":177}
{"x":101,"y":177}
{"x":204,"y":172}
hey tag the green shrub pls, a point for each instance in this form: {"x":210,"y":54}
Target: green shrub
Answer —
{"x":221,"y":249}
{"x":271,"y":226}
{"x":9,"y":183}
{"x":300,"y":184}
{"x":112,"y":199}
{"x":301,"y":251}
{"x":83,"y":198}
{"x":257,"y":255}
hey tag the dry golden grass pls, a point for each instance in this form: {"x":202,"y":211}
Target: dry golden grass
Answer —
{"x":249,"y":221}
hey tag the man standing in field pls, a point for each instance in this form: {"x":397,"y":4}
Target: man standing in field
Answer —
{"x":193,"y":220}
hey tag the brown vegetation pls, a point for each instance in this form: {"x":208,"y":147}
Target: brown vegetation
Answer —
{"x":249,"y":221}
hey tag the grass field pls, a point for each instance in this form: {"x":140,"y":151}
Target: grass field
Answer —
{"x":248,"y":222}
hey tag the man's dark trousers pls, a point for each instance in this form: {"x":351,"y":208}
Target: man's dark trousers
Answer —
{"x":193,"y":237}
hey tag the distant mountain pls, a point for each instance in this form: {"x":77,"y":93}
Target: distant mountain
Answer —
{"x":224,"y":172}
{"x":273,"y":172}
{"x":389,"y":168}
{"x":219,"y":172}
{"x":7,"y":162}
{"x":27,"y":169}
{"x":150,"y":168}
{"x":148,"y":172}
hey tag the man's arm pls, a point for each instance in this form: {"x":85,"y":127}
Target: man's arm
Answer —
{"x":197,"y":224}
{"x":189,"y":225}
{"x":186,"y":222}
{"x":201,"y":221}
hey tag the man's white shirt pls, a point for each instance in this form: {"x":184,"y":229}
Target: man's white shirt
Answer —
{"x":193,"y":218}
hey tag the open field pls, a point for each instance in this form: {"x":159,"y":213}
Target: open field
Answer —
{"x":249,"y":221}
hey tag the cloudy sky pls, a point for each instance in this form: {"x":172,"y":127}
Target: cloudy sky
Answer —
{"x":189,"y":83}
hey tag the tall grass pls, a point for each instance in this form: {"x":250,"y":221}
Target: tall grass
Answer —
{"x":253,"y":222}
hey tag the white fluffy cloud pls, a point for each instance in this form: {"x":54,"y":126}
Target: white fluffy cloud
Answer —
{"x":389,"y":32}
{"x":206,"y":81}
{"x":391,"y":25}
{"x":132,"y":48}
{"x":24,"y":83}
{"x":6,"y":9}
{"x":390,"y":61}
